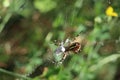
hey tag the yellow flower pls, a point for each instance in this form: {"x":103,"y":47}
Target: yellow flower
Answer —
{"x":110,"y":12}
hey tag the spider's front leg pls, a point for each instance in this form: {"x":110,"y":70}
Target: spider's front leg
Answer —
{"x":64,"y":57}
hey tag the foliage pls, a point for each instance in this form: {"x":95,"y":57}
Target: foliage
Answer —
{"x":28,"y":29}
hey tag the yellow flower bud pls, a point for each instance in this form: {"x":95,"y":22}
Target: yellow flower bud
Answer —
{"x":110,"y":12}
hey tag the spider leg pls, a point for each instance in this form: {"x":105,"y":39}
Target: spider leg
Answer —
{"x":64,"y":57}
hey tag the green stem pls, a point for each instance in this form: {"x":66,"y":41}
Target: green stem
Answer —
{"x":14,"y":74}
{"x":5,"y":20}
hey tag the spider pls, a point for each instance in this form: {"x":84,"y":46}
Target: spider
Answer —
{"x":63,"y":50}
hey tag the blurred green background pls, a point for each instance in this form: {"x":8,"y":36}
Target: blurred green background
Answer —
{"x":28,"y":29}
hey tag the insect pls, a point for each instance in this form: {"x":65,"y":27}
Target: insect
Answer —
{"x":63,"y":50}
{"x":74,"y":47}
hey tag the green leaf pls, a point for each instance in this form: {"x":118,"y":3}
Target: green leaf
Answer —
{"x":44,"y":5}
{"x":106,"y":60}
